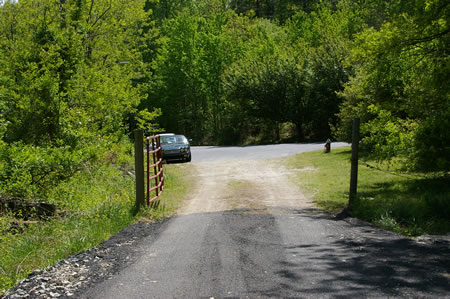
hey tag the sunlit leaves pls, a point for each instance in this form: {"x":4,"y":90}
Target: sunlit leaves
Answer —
{"x":69,"y":83}
{"x":404,"y":67}
{"x":65,"y":60}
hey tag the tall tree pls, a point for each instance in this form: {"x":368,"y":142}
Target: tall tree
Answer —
{"x":62,"y":67}
{"x":188,"y":69}
{"x":400,"y":90}
{"x":68,"y":73}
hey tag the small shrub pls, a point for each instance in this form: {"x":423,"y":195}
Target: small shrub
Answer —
{"x":388,"y":222}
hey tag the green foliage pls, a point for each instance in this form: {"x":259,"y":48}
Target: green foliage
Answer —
{"x":97,"y":191}
{"x":145,"y":120}
{"x":165,"y":9}
{"x":187,"y":70}
{"x":432,"y":142}
{"x":69,"y":88}
{"x":269,"y":87}
{"x":224,"y":78}
{"x":31,"y":171}
{"x":388,"y":136}
{"x":96,"y":204}
{"x":402,"y":69}
{"x":61,"y":69}
{"x":279,"y":10}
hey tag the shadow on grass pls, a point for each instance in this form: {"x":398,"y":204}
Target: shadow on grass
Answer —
{"x":415,"y":205}
{"x":337,"y":202}
{"x":343,"y":152}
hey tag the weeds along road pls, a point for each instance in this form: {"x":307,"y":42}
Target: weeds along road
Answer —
{"x":248,"y":231}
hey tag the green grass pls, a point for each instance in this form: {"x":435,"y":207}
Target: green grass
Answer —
{"x":96,"y":204}
{"x":177,"y":181}
{"x":410,"y":204}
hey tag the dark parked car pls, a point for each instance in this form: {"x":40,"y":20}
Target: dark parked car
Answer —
{"x":175,"y":147}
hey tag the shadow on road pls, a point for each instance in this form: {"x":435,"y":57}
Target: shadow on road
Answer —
{"x":279,"y":253}
{"x":361,"y":259}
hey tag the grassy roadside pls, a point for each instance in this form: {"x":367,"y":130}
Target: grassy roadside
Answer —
{"x":96,"y":204}
{"x":178,"y":179}
{"x":410,"y":204}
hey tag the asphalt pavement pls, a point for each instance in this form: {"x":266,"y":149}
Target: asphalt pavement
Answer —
{"x":272,"y":151}
{"x":277,"y":252}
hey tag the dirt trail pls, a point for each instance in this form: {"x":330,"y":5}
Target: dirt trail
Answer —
{"x":259,"y":185}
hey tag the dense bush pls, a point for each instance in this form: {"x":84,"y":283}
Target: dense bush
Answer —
{"x":401,"y":70}
{"x":68,"y":88}
{"x":432,"y":142}
{"x":29,"y":172}
{"x":387,"y":136}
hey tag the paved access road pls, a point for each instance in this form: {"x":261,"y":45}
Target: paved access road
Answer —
{"x":252,"y":152}
{"x":248,"y":231}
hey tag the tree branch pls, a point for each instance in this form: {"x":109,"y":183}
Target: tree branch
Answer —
{"x":102,"y":15}
{"x":412,"y":42}
{"x":90,"y":11}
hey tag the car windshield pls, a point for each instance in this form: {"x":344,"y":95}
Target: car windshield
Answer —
{"x":173,"y":139}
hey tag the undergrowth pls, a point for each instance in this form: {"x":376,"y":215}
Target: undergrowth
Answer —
{"x":92,"y":205}
{"x":408,"y":203}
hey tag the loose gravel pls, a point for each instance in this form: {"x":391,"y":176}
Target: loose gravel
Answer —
{"x":71,"y":276}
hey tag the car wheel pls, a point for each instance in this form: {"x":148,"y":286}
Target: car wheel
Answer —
{"x":188,"y":159}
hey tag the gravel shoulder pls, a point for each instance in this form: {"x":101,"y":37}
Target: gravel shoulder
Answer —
{"x":71,"y":276}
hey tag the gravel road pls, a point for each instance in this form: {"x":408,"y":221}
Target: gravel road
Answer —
{"x":248,"y":231}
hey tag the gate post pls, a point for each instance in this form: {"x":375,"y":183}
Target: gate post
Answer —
{"x":139,"y":167}
{"x":354,"y":163}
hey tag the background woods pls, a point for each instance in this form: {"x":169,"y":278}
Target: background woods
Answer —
{"x":76,"y":76}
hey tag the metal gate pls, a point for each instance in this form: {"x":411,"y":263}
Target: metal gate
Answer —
{"x":154,"y":149}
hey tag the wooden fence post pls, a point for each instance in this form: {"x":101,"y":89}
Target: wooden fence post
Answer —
{"x":354,"y":167}
{"x":139,"y":167}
